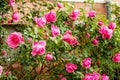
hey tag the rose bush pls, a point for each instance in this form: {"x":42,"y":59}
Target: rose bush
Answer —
{"x":59,"y":42}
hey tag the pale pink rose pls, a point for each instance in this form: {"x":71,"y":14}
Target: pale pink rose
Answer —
{"x":106,"y":32}
{"x":3,"y":52}
{"x":29,"y":40}
{"x":95,"y":41}
{"x":112,"y":25}
{"x":14,"y":39}
{"x":87,"y":35}
{"x":70,"y":67}
{"x":38,"y":48}
{"x":69,"y":38}
{"x":105,"y":77}
{"x":116,"y":57}
{"x":100,"y":23}
{"x":49,"y":56}
{"x":91,"y":13}
{"x":50,"y":16}
{"x":74,"y":15}
{"x":96,"y":76}
{"x":88,"y":76}
{"x":40,"y":21}
{"x":15,"y":16}
{"x":1,"y":70}
{"x":11,"y":2}
{"x":55,"y":30}
{"x":86,"y":62}
{"x":63,"y":78}
{"x":59,"y":5}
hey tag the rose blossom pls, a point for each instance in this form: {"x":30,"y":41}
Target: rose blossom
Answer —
{"x":106,"y":32}
{"x":59,"y":5}
{"x":86,"y":62}
{"x":91,"y":13}
{"x":50,"y":16}
{"x":3,"y":52}
{"x":63,"y":78}
{"x":11,"y":2}
{"x":95,"y":41}
{"x":29,"y":40}
{"x":96,"y":76}
{"x":116,"y":57}
{"x":55,"y":30}
{"x":38,"y":48}
{"x":40,"y":21}
{"x":1,"y":70}
{"x":100,"y":23}
{"x":14,"y":39}
{"x":112,"y":25}
{"x":105,"y":77}
{"x":15,"y":16}
{"x":69,"y":38}
{"x":70,"y":67}
{"x":74,"y":15}
{"x":49,"y":56}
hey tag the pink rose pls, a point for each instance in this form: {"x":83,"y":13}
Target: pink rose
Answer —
{"x":92,"y":76}
{"x":100,"y":23}
{"x":29,"y":40}
{"x":50,"y":16}
{"x":105,"y":77}
{"x":3,"y":52}
{"x":49,"y":56}
{"x":11,"y":2}
{"x":15,"y":16}
{"x":95,"y":41}
{"x":1,"y":70}
{"x":55,"y":30}
{"x":40,"y":21}
{"x":63,"y":78}
{"x":91,"y":13}
{"x":88,"y":76}
{"x":112,"y":25}
{"x":69,"y":38}
{"x":87,"y":35}
{"x":59,"y":5}
{"x":116,"y":57}
{"x":106,"y":32}
{"x":86,"y":62}
{"x":14,"y":39}
{"x":70,"y":67}
{"x":38,"y":48}
{"x":74,"y":15}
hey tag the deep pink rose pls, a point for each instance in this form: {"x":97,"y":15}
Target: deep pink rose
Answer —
{"x":59,"y":5}
{"x":96,"y":76}
{"x":3,"y":52}
{"x":91,"y":13}
{"x":38,"y":48}
{"x":86,"y":62}
{"x":63,"y":78}
{"x":15,"y":16}
{"x":50,"y":16}
{"x":14,"y":39}
{"x":112,"y":25}
{"x":55,"y":30}
{"x":95,"y":41}
{"x":70,"y":67}
{"x":11,"y":2}
{"x":105,"y":77}
{"x":74,"y":15}
{"x":106,"y":32}
{"x":1,"y":70}
{"x":67,"y":37}
{"x":40,"y":21}
{"x":88,"y":76}
{"x":49,"y":56}
{"x":100,"y":23}
{"x":116,"y":57}
{"x":87,"y":35}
